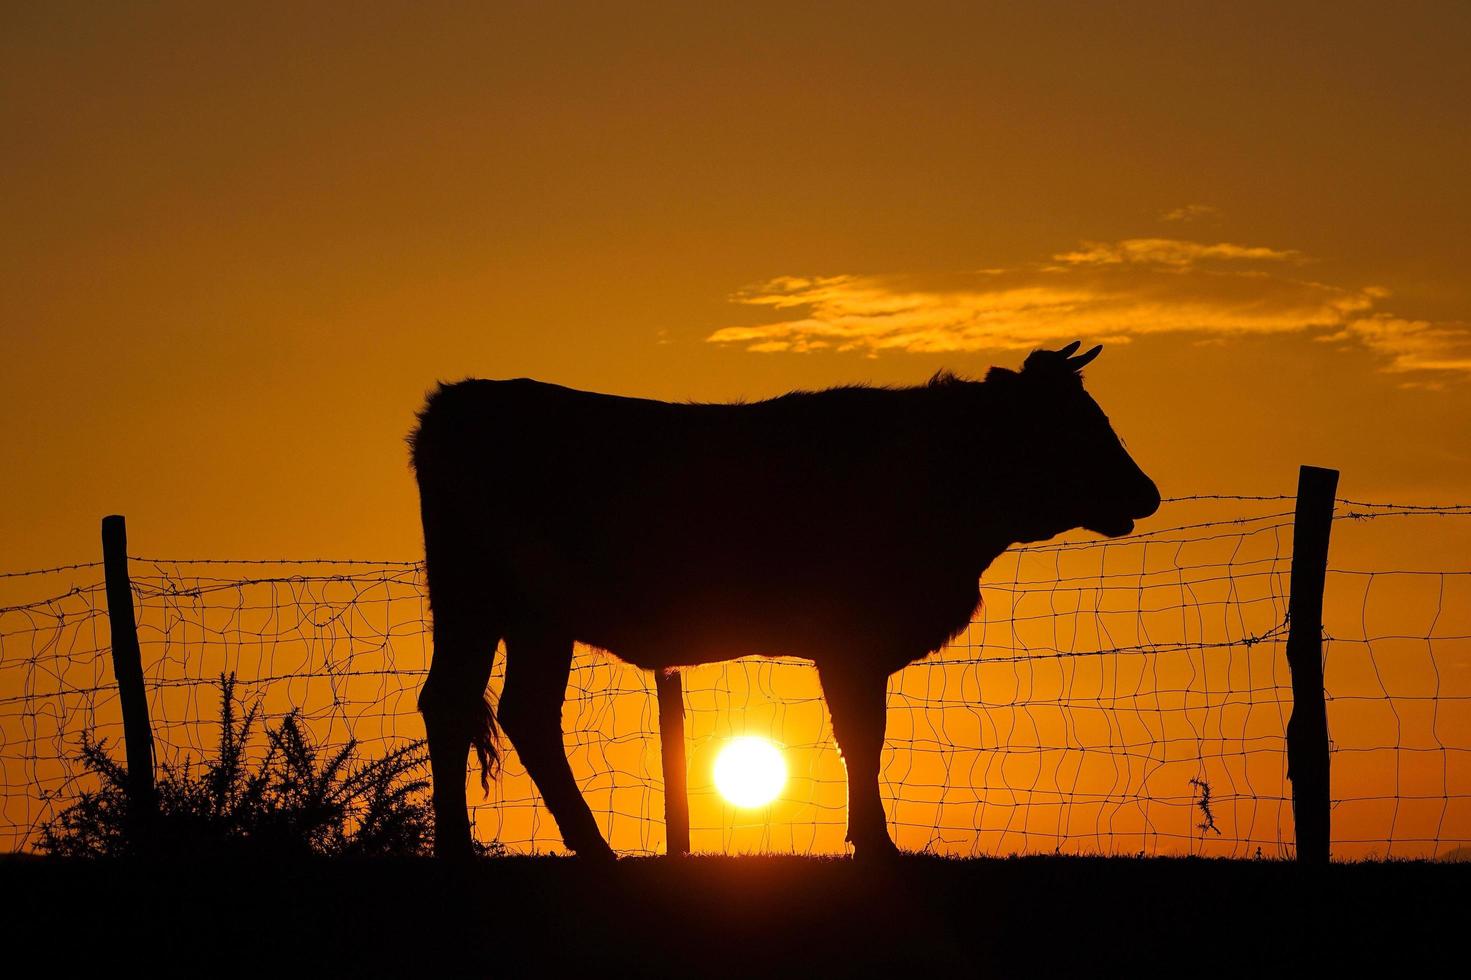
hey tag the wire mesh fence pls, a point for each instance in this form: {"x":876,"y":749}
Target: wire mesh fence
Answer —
{"x":1115,"y":696}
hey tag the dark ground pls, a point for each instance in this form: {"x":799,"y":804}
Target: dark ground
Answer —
{"x":742,"y":917}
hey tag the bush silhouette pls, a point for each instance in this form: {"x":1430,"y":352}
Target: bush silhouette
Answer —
{"x":295,"y":802}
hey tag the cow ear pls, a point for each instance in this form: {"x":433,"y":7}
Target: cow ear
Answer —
{"x":1067,"y":351}
{"x":1077,"y":363}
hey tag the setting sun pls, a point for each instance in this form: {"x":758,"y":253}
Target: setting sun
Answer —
{"x":750,"y":771}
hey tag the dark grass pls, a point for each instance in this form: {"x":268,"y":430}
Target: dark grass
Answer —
{"x":742,"y":917}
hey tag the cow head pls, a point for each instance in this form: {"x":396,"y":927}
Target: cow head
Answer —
{"x":1071,"y":469}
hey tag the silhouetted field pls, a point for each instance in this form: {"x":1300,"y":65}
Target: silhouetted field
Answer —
{"x":746,"y":917}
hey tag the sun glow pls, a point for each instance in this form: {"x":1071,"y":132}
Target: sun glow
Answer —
{"x":750,"y":771}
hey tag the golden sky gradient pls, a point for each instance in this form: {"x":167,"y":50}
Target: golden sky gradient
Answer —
{"x":239,"y":243}
{"x":239,"y":246}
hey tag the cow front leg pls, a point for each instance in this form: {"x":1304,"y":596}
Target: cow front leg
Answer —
{"x":531,"y":713}
{"x":856,"y":701}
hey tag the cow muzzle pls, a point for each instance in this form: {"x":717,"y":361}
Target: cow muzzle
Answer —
{"x":1121,"y":520}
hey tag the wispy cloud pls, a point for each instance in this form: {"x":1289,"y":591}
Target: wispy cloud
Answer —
{"x":1191,"y":212}
{"x":1411,"y":345}
{"x":1107,"y":291}
{"x":1172,"y":252}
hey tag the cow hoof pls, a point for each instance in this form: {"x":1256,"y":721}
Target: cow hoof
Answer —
{"x":456,"y":852}
{"x":876,"y":852}
{"x":599,"y":853}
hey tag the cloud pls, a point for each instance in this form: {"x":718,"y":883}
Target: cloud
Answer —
{"x":1191,"y":212}
{"x":1168,"y":252}
{"x":1111,"y":292}
{"x":1412,"y":345}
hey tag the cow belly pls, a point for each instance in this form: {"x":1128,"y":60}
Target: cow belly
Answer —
{"x":699,"y":616}
{"x":660,"y":592}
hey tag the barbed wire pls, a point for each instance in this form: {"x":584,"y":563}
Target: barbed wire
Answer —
{"x":31,"y":572}
{"x":1102,"y":687}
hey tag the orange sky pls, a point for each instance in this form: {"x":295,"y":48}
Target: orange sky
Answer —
{"x":237,"y":249}
{"x":238,"y":246}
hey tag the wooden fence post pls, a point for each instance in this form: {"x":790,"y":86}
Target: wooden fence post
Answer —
{"x":127,"y":667}
{"x":670,"y":689}
{"x":1307,"y":731}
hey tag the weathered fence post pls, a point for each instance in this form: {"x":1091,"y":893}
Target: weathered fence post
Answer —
{"x":1307,"y":731}
{"x":127,"y":666}
{"x":670,"y":689}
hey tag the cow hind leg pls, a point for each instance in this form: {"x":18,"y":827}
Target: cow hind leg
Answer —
{"x":537,"y":666}
{"x":457,"y":715}
{"x":856,"y":701}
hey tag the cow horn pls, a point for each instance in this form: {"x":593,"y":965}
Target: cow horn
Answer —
{"x":1077,"y":363}
{"x":1068,"y":350}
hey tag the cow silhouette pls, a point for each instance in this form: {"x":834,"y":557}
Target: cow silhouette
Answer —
{"x":848,"y":527}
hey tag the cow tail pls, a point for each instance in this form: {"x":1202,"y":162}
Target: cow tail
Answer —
{"x":484,"y":737}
